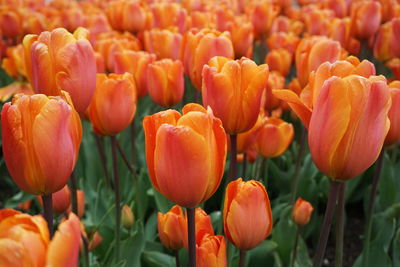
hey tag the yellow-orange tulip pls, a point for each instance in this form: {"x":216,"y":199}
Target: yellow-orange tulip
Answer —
{"x":274,"y":137}
{"x":203,"y":226}
{"x":288,"y":41}
{"x":172,"y":228}
{"x":185,"y":154}
{"x":135,"y":63}
{"x":242,"y":37}
{"x":387,"y":43}
{"x":166,"y":15}
{"x":41,"y":138}
{"x":302,"y":211}
{"x":247,"y":200}
{"x":233,"y":89}
{"x":247,"y":139}
{"x":275,"y":81}
{"x":262,"y":14}
{"x":11,"y":22}
{"x":58,"y":61}
{"x":200,"y":47}
{"x":211,"y":251}
{"x":15,"y":88}
{"x":317,"y":20}
{"x":165,"y":82}
{"x":393,"y":135}
{"x":279,"y":60}
{"x":366,"y":17}
{"x":125,"y":15}
{"x":61,"y":200}
{"x":114,"y":103}
{"x":164,"y":43}
{"x":14,"y":63}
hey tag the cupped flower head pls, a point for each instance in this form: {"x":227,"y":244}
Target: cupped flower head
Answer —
{"x":172,"y":228}
{"x":302,"y":211}
{"x":247,"y":214}
{"x":211,"y":251}
{"x":393,"y":135}
{"x":185,"y":154}
{"x":233,"y":90}
{"x":41,"y":137}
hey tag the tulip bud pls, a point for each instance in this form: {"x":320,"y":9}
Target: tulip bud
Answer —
{"x":302,"y":211}
{"x":165,"y":82}
{"x":164,"y":43}
{"x":233,"y":89}
{"x":172,"y":228}
{"x":61,"y":200}
{"x":387,"y":43}
{"x":174,"y":142}
{"x":41,"y":137}
{"x":247,"y":200}
{"x":279,"y":60}
{"x":114,"y":103}
{"x":125,"y":15}
{"x":366,"y":17}
{"x":211,"y":251}
{"x":95,"y":241}
{"x":127,"y":217}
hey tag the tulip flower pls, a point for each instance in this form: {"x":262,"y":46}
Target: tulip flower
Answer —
{"x":242,"y":36}
{"x":288,"y":41}
{"x":387,"y":43}
{"x":262,"y":14}
{"x":166,"y":15}
{"x":125,"y":15}
{"x":15,"y":88}
{"x":275,"y":81}
{"x":135,"y":63}
{"x":211,"y":251}
{"x":247,"y":139}
{"x":114,"y":103}
{"x":340,"y":30}
{"x":61,"y":200}
{"x":127,"y":217}
{"x":317,"y":20}
{"x":58,"y":61}
{"x":95,"y":241}
{"x":273,"y":137}
{"x":366,"y":18}
{"x":11,"y":22}
{"x":312,"y":52}
{"x":302,"y":211}
{"x":393,"y":135}
{"x":164,"y":43}
{"x":174,"y":142}
{"x":200,"y":47}
{"x":233,"y":90}
{"x":14,"y":63}
{"x":41,"y":137}
{"x":286,"y":25}
{"x":165,"y":82}
{"x":279,"y":60}
{"x":203,"y":226}
{"x":247,"y":200}
{"x":172,"y":228}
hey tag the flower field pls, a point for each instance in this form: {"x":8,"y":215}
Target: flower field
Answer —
{"x":202,"y":133}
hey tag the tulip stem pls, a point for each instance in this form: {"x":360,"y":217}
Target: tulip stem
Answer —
{"x":48,"y":212}
{"x":177,"y":261}
{"x":326,"y":227}
{"x":340,"y":226}
{"x":133,"y":142}
{"x":86,"y":249}
{"x":103,"y":159}
{"x":368,"y":226}
{"x":296,"y":176}
{"x":74,"y":197}
{"x":244,"y":165}
{"x":125,"y":158}
{"x":232,"y":167}
{"x":117,"y":197}
{"x":191,"y":236}
{"x":242,"y":258}
{"x":295,"y":245}
{"x":261,"y":169}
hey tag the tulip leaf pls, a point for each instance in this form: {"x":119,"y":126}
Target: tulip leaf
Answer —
{"x":396,"y":249}
{"x":387,"y":185}
{"x":158,"y":259}
{"x":132,"y":248}
{"x":150,"y":229}
{"x":262,"y":255}
{"x":163,"y":204}
{"x":18,"y":198}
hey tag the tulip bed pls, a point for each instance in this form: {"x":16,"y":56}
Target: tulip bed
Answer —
{"x":200,"y":133}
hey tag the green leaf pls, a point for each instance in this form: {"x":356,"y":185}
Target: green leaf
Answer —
{"x":158,"y":259}
{"x":132,"y":248}
{"x":18,"y":198}
{"x":261,"y":255}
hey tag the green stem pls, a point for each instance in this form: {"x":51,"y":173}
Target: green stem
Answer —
{"x":126,"y":161}
{"x":191,"y":236}
{"x":326,"y":226}
{"x":133,"y":142}
{"x":48,"y":212}
{"x":295,"y":245}
{"x":242,"y":258}
{"x":117,"y":197}
{"x":103,"y":159}
{"x":340,"y":226}
{"x":74,"y":194}
{"x":233,"y":153}
{"x":86,"y":250}
{"x":368,"y":227}
{"x":296,"y":176}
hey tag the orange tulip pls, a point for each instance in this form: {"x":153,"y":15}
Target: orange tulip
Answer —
{"x":317,"y":20}
{"x":275,"y":81}
{"x":14,"y":63}
{"x":11,"y":22}
{"x":174,"y":142}
{"x":114,"y":103}
{"x":233,"y":89}
{"x":211,"y":251}
{"x":387,"y":43}
{"x":288,"y":41}
{"x":135,"y":63}
{"x":247,"y":139}
{"x":242,"y":37}
{"x":61,"y":200}
{"x":165,"y":82}
{"x":340,"y":30}
{"x":302,"y":211}
{"x":58,"y":61}
{"x":200,"y":47}
{"x":164,"y":43}
{"x":203,"y":226}
{"x":15,"y":88}
{"x":41,"y":139}
{"x":339,"y":7}
{"x":172,"y":228}
{"x":279,"y":60}
{"x":95,"y":241}
{"x":125,"y":15}
{"x":80,"y":202}
{"x":312,"y":52}
{"x":127,"y":217}
{"x":166,"y":15}
{"x":393,"y":135}
{"x":262,"y":14}
{"x":366,"y":18}
{"x":247,"y":200}
{"x":286,"y":25}
{"x":274,"y":137}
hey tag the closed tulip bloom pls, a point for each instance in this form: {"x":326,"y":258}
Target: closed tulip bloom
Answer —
{"x":200,"y":47}
{"x":95,"y":241}
{"x":274,"y":137}
{"x":125,"y":15}
{"x":41,"y":137}
{"x":203,"y":226}
{"x":61,"y":200}
{"x":11,"y":22}
{"x":165,"y":82}
{"x":317,"y":20}
{"x":135,"y":63}
{"x":366,"y":17}
{"x":114,"y":103}
{"x":393,"y":65}
{"x":288,"y":41}
{"x":393,"y":135}
{"x":211,"y":251}
{"x":275,"y":81}
{"x":127,"y":217}
{"x":340,"y":30}
{"x":172,"y":228}
{"x":233,"y":89}
{"x":312,"y":52}
{"x":262,"y":14}
{"x":166,"y":15}
{"x":185,"y":154}
{"x":302,"y":211}
{"x":387,"y":43}
{"x":164,"y":43}
{"x":58,"y":61}
{"x":247,"y":214}
{"x":279,"y":60}
{"x":15,"y":88}
{"x":14,"y":63}
{"x":242,"y":36}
